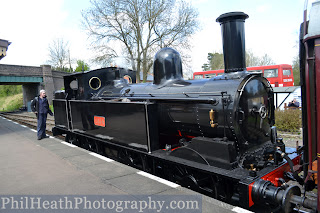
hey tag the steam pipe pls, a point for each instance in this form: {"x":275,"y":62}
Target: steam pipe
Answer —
{"x":295,"y":174}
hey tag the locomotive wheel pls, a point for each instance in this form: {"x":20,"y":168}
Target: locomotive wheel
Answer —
{"x":131,"y":159}
{"x":194,"y":180}
{"x":92,"y":146}
{"x":100,"y":148}
{"x":72,"y":139}
{"x":185,"y":178}
{"x":89,"y":144}
{"x":213,"y":187}
{"x":67,"y":138}
{"x":84,"y":143}
{"x":124,"y":157}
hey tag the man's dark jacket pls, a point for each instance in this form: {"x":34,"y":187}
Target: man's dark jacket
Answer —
{"x":294,"y":104}
{"x":35,"y":106}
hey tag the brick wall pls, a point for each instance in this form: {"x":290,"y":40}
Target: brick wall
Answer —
{"x":17,"y":70}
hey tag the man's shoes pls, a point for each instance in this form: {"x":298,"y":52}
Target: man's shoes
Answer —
{"x":46,"y":136}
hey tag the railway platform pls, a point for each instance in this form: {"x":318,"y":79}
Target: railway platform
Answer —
{"x":53,"y":167}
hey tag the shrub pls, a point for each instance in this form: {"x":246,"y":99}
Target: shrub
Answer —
{"x":8,"y":90}
{"x":11,"y":103}
{"x":14,"y":106}
{"x":288,"y":120}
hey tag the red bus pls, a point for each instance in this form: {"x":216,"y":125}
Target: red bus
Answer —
{"x":278,"y":75}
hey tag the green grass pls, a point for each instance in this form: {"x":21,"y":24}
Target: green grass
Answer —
{"x":11,"y":103}
{"x":8,"y":90}
{"x":2,"y":100}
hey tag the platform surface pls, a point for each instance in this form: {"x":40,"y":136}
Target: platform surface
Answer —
{"x":52,"y":167}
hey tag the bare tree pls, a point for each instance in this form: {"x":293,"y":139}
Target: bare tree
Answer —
{"x":59,"y":55}
{"x":216,"y":61}
{"x":142,"y":27}
{"x":252,"y":60}
{"x":266,"y":60}
{"x":104,"y":55}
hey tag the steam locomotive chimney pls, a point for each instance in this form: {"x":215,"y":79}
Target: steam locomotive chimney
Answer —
{"x":233,"y":40}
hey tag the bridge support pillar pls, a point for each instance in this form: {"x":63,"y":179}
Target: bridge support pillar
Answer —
{"x":48,"y":82}
{"x":30,"y":91}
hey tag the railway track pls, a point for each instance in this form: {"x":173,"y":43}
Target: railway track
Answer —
{"x":28,"y":119}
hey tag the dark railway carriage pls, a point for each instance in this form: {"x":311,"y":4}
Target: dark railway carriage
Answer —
{"x":215,"y":135}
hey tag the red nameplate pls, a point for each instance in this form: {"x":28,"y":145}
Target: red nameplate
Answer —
{"x":99,"y":121}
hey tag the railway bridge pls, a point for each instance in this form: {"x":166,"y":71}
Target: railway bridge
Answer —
{"x":32,"y":79}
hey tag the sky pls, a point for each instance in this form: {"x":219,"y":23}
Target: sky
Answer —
{"x":272,"y":28}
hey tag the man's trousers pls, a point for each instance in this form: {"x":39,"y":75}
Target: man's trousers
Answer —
{"x":42,"y":118}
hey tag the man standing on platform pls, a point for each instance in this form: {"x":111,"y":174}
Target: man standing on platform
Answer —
{"x":40,"y":106}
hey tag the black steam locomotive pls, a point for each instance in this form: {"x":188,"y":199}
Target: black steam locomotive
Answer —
{"x":214,"y":135}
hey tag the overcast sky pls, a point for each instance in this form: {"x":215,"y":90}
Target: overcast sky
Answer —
{"x":31,"y":25}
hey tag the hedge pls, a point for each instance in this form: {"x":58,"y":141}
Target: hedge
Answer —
{"x":288,"y":120}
